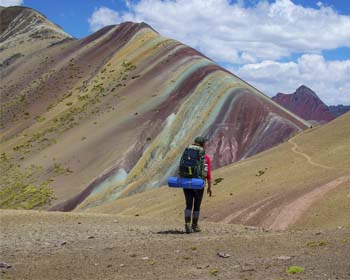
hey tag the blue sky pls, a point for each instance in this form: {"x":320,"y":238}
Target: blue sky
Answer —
{"x":72,"y":15}
{"x":276,"y":45}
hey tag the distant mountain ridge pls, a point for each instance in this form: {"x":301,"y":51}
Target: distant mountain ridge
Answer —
{"x":306,"y":104}
{"x":23,"y":30}
{"x":339,"y":110}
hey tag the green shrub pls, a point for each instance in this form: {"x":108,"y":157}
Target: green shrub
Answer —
{"x":19,"y":189}
{"x":295,"y":269}
{"x":39,"y":118}
{"x":59,"y":169}
{"x":317,"y":243}
{"x":128,"y":66}
{"x":218,"y":180}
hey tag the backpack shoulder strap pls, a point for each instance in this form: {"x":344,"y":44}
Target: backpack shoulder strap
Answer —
{"x":195,"y":147}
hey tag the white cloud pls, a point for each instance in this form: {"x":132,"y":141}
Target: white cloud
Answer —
{"x":233,"y":33}
{"x":260,"y":35}
{"x":102,"y":17}
{"x":7,"y":3}
{"x":329,"y":79}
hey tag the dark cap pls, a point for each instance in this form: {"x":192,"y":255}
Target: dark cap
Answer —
{"x":200,"y":140}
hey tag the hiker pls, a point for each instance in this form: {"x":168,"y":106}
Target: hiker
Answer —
{"x":194,"y":196}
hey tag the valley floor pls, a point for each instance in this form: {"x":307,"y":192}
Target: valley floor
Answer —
{"x":50,"y":245}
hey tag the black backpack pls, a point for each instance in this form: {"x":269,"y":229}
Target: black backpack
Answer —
{"x":192,"y":163}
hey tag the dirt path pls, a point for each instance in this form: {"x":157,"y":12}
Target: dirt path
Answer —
{"x":289,"y":214}
{"x":308,"y":158}
{"x":278,"y":211}
{"x":250,"y":212}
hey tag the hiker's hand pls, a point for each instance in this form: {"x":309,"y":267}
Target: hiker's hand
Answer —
{"x":209,"y":188}
{"x":209,"y":191}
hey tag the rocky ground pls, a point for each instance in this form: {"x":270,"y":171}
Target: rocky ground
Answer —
{"x":43,"y":245}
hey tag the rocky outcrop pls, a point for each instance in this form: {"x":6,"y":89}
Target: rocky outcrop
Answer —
{"x":306,"y":104}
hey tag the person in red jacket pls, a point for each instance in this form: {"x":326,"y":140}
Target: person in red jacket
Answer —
{"x":194,"y":197}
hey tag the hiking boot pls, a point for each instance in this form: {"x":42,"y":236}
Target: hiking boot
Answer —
{"x":196,"y":228}
{"x":188,"y":228}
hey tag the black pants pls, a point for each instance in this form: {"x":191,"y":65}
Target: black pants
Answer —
{"x":193,"y":199}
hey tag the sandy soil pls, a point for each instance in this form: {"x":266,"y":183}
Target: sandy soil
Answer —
{"x":42,"y":245}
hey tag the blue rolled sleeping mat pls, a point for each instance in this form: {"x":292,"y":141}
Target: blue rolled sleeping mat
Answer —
{"x":186,"y":183}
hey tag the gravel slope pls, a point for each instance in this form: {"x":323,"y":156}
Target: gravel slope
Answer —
{"x":43,"y":245}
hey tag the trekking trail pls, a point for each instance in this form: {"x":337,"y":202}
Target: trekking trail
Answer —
{"x":244,"y":215}
{"x":289,"y":214}
{"x":308,"y":158}
{"x":273,"y":213}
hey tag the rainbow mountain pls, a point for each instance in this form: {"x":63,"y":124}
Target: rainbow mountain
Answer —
{"x":107,"y":116}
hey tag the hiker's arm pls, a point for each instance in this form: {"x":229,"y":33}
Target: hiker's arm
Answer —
{"x":209,"y":175}
{"x":209,"y":187}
